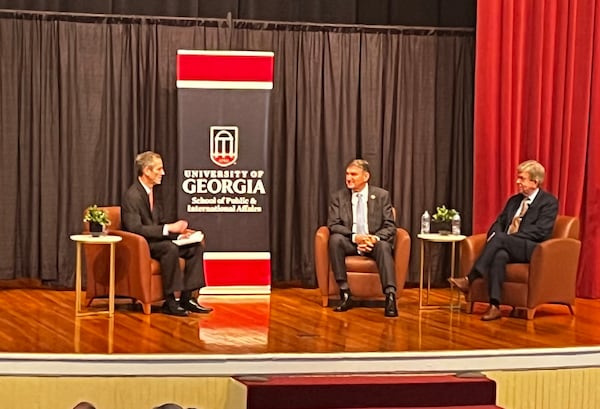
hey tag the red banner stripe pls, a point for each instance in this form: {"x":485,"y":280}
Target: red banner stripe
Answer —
{"x":199,"y":67}
{"x":237,"y":272}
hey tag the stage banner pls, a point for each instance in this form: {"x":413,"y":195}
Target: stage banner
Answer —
{"x":223,"y":107}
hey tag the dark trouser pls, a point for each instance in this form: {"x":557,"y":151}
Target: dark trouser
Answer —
{"x":498,"y":252}
{"x":173,"y":278}
{"x":341,"y":246}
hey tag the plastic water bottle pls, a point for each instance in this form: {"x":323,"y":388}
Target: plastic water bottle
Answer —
{"x":456,"y":224}
{"x":425,"y":222}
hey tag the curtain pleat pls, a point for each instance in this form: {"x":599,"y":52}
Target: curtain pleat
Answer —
{"x":82,"y":96}
{"x":537,"y":84}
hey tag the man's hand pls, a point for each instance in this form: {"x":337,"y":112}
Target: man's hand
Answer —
{"x":186,"y":234}
{"x":179,"y":226}
{"x":365,"y":242}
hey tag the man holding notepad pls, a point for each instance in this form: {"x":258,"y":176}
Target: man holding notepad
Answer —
{"x":142,"y":215}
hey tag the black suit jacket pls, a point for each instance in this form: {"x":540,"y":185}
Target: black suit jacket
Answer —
{"x":379,"y":209}
{"x":537,"y":223}
{"x":136,"y":216}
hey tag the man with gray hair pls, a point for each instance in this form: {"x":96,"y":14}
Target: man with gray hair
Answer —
{"x":527,"y":219}
{"x":143,"y":215}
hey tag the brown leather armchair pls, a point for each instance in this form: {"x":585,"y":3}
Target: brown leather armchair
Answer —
{"x":549,"y":278}
{"x":137,"y":275}
{"x":363,"y":275}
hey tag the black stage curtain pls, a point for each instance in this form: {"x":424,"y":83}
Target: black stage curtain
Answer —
{"x":438,"y":13}
{"x":81,"y":95}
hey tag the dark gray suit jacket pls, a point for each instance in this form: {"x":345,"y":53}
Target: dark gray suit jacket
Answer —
{"x":379,"y":209}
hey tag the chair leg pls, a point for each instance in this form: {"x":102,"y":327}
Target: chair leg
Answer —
{"x":571,"y":309}
{"x":147,"y":308}
{"x":518,"y":312}
{"x":530,"y":313}
{"x":324,"y":300}
{"x":469,"y":307}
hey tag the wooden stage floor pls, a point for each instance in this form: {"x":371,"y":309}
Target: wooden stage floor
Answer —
{"x":288,"y":321}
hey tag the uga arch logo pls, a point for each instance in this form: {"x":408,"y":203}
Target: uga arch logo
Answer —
{"x":224,"y":145}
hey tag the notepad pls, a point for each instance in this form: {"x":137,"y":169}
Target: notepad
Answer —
{"x":195,"y":237}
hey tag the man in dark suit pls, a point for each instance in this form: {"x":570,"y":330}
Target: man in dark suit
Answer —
{"x":361,"y":222}
{"x":142,"y":215}
{"x":527,"y":219}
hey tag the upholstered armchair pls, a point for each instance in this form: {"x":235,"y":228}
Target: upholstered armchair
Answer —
{"x":549,"y":278}
{"x":363,"y":275}
{"x":137,"y":275}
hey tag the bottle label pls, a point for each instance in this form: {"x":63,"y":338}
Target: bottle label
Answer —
{"x":456,"y":226}
{"x":425,"y":224}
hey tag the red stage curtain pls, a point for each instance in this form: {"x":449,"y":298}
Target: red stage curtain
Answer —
{"x":537,"y":96}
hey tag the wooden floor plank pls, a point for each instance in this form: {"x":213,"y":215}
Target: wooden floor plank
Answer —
{"x":289,"y":320}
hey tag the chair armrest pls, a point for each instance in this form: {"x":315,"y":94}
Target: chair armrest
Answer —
{"x":401,"y":257}
{"x":133,"y":257}
{"x":470,"y":249}
{"x":322,"y":259}
{"x":553,"y":267}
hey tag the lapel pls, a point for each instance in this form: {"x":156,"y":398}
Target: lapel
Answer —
{"x":515,"y":206}
{"x":346,"y":210}
{"x":533,"y":206}
{"x":372,"y":210}
{"x":144,"y":201}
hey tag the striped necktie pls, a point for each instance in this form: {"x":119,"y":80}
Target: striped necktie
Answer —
{"x":516,"y":221}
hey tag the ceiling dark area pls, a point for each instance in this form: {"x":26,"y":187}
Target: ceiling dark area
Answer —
{"x":430,"y":13}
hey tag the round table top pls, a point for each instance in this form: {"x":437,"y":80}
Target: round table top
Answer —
{"x":102,"y":239}
{"x":441,"y":238}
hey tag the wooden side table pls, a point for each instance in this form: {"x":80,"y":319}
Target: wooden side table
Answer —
{"x":82,"y":239}
{"x":437,"y":238}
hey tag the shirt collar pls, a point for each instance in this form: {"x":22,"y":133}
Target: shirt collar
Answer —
{"x":146,"y":188}
{"x":532,"y":196}
{"x":364,"y":192}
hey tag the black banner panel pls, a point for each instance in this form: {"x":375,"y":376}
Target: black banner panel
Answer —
{"x":223,"y":99}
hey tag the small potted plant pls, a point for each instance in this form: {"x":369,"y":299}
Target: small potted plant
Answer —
{"x":442,"y":219}
{"x":97,"y":219}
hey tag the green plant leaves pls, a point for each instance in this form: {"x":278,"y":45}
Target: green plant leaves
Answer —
{"x":94,"y":214}
{"x":443,"y":214}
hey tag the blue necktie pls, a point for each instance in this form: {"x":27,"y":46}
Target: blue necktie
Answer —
{"x":361,"y":222}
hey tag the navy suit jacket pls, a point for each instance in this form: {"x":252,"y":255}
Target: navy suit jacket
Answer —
{"x":537,"y":223}
{"x":136,"y":216}
{"x":379,"y":209}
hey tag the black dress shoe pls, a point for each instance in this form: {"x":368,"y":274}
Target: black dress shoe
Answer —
{"x":391,"y":309}
{"x":193,"y":306}
{"x":172,"y":307}
{"x":345,"y":301}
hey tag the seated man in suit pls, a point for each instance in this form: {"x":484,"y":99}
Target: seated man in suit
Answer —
{"x":527,"y":219}
{"x":361,"y":221}
{"x":140,"y":214}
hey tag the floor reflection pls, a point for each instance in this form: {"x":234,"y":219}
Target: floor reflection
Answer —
{"x":247,"y":326}
{"x":93,"y":324}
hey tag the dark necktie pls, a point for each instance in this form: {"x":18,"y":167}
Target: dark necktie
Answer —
{"x":516,"y":221}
